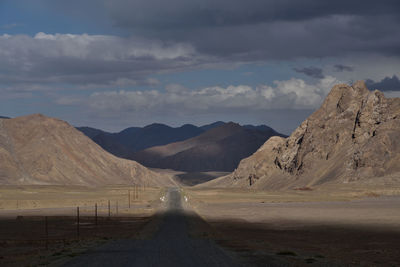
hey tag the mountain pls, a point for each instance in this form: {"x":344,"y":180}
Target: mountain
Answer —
{"x":263,"y":128}
{"x":160,"y":134}
{"x":40,"y":150}
{"x":114,"y":143}
{"x":354,"y":137}
{"x":212,"y":125}
{"x":218,"y":149}
{"x":2,"y":117}
{"x":91,"y":132}
{"x":130,"y":140}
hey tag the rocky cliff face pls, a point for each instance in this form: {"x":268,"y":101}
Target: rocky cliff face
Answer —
{"x":355,"y":135}
{"x":40,"y":150}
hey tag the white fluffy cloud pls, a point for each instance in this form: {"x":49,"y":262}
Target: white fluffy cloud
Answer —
{"x":288,"y":94}
{"x":83,"y":59}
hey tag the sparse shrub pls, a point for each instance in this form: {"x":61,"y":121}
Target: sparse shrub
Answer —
{"x":304,"y":188}
{"x":309,"y":260}
{"x":58,"y":253}
{"x":286,"y":253}
{"x":372,"y":194}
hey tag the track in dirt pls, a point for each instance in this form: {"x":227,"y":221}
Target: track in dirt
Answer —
{"x":171,"y":246}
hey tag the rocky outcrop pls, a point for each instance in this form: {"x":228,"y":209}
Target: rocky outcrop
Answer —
{"x":355,"y":135}
{"x":40,"y":150}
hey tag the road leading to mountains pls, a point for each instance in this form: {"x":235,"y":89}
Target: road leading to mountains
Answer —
{"x":171,"y":246}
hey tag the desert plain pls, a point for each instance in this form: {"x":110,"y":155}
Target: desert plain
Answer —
{"x":348,"y":226}
{"x":344,"y":227}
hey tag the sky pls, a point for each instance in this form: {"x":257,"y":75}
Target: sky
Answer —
{"x":112,"y":64}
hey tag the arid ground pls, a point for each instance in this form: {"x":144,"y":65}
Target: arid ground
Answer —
{"x":23,"y":211}
{"x":350,"y":227}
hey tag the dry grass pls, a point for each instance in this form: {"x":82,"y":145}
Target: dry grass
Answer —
{"x":329,"y":192}
{"x":62,"y":200}
{"x":23,"y":239}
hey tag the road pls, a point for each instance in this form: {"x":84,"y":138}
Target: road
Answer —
{"x":171,"y":246}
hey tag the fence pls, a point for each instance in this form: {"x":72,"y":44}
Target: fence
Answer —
{"x":87,"y":223}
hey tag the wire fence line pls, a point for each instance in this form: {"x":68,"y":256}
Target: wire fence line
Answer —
{"x":99,"y":221}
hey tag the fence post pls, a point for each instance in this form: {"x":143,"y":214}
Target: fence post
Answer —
{"x":95,"y":214}
{"x":77,"y":222}
{"x":47,"y":232}
{"x":129,"y":199}
{"x":109,"y":209}
{"x":117,"y":208}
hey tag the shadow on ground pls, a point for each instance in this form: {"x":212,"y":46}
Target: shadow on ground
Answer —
{"x":181,"y":238}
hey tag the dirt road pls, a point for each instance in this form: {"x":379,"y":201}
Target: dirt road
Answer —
{"x":171,"y":246}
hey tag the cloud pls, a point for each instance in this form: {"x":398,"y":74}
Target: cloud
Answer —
{"x":158,"y":14}
{"x":69,"y":100}
{"x":177,"y":100}
{"x":386,"y":84}
{"x":313,"y":72}
{"x":89,"y":60}
{"x":341,"y":68}
{"x":259,"y":30}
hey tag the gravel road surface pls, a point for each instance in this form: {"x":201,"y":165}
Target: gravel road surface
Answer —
{"x":171,"y":246}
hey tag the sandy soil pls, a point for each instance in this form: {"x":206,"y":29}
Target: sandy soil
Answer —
{"x":304,"y":227}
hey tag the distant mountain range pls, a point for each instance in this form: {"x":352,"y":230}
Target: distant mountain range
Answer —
{"x":133,"y":139}
{"x":214,"y":147}
{"x":2,"y":117}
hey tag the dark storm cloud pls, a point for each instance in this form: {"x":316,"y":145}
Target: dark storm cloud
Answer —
{"x":341,"y":68}
{"x":209,"y":13}
{"x":177,"y":35}
{"x":311,"y":71}
{"x":386,"y":84}
{"x":253,"y":30}
{"x":258,"y":29}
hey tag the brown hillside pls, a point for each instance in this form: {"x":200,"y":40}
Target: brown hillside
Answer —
{"x":218,"y":149}
{"x":39,"y":150}
{"x":353,"y":137}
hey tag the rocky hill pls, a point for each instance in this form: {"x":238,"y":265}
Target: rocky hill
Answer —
{"x":354,"y":137}
{"x":40,"y":150}
{"x":218,"y":149}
